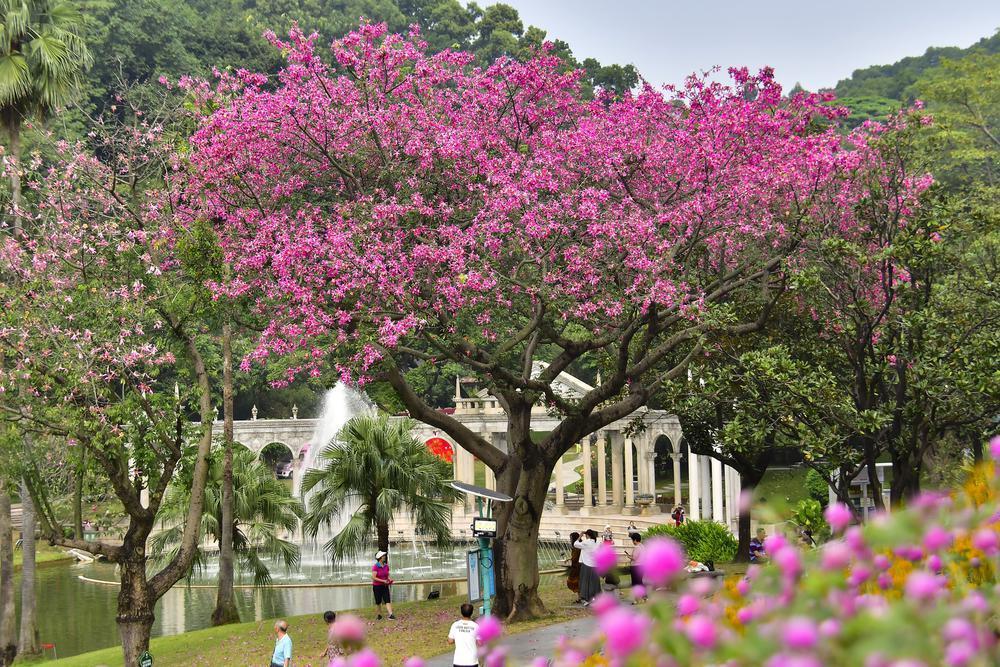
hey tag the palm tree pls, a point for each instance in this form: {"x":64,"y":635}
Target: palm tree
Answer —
{"x":263,"y":510}
{"x":374,"y":469}
{"x":42,"y":58}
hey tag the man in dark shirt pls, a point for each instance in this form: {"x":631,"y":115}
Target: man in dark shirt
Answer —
{"x":757,"y":552}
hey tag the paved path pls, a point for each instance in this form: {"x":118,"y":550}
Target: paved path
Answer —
{"x":524,"y":646}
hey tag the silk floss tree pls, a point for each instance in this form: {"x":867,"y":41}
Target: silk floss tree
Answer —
{"x":103,"y":308}
{"x":391,"y":209}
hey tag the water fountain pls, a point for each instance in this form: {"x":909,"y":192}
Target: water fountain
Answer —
{"x":316,"y":585}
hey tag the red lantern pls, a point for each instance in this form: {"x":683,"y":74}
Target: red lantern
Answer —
{"x":441,"y":448}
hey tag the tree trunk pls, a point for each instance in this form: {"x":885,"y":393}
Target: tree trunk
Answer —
{"x":81,"y":474}
{"x":382,"y":536}
{"x":28,"y":646}
{"x":515,"y":556}
{"x":874,"y":485}
{"x":977,"y":448}
{"x":905,"y":478}
{"x":8,"y":628}
{"x":225,"y":603}
{"x":748,"y":483}
{"x":14,"y":132}
{"x":135,"y":599}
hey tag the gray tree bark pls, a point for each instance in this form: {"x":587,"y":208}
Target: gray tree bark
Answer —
{"x":225,"y":603}
{"x":8,"y":623}
{"x":28,"y":645}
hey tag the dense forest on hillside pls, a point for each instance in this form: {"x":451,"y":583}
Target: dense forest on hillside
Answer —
{"x":876,"y":91}
{"x":135,"y":40}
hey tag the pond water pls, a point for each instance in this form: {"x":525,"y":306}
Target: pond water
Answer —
{"x":79,"y":616}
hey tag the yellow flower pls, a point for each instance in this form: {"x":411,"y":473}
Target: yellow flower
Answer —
{"x":595,"y":660}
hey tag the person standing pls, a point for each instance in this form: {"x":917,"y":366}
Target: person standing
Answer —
{"x":678,"y":515}
{"x":573,"y":579}
{"x":633,"y":557}
{"x":282,"y":656}
{"x":608,"y":536}
{"x":463,"y":636}
{"x":380,"y":585}
{"x":590,"y":582}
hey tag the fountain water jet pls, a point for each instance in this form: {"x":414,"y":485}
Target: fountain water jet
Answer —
{"x":340,"y":404}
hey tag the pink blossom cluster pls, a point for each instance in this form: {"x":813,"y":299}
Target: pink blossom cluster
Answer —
{"x":384,"y":194}
{"x":82,"y":314}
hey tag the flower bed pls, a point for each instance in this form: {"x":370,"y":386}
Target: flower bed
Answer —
{"x":915,"y":589}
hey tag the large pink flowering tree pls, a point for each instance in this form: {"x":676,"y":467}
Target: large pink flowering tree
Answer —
{"x":391,"y":208}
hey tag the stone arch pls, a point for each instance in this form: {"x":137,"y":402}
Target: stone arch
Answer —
{"x":663,"y":447}
{"x":277,"y":454}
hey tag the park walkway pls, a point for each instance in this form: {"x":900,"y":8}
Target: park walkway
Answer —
{"x":524,"y":646}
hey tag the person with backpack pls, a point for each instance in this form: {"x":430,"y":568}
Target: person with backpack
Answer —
{"x":678,"y":515}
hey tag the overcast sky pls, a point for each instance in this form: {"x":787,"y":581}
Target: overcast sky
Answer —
{"x":813,"y":42}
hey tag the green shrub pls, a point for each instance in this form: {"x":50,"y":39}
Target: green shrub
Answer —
{"x":703,"y":540}
{"x":808,"y":515}
{"x":817,"y":487}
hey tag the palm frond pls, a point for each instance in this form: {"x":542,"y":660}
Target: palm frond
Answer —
{"x":15,"y":78}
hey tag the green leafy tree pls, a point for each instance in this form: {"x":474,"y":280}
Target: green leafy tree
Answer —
{"x":42,"y":59}
{"x":741,"y":406}
{"x":264,"y":514}
{"x":375,"y":469}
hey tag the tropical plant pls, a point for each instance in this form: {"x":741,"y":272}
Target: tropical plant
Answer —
{"x":703,"y":541}
{"x":42,"y":57}
{"x":264,"y":510}
{"x":808,"y":515}
{"x":374,"y":469}
{"x":818,"y":489}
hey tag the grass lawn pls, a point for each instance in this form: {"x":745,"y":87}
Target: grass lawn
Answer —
{"x":43,"y":554}
{"x":422,"y":629}
{"x":782,"y":489}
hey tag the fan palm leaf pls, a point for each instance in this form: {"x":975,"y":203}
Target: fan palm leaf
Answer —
{"x":264,"y":510}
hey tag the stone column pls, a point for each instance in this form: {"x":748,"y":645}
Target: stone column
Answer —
{"x":717,"y":489}
{"x":629,"y":472}
{"x":617,"y":486}
{"x":677,"y":477}
{"x":602,"y":471}
{"x":651,"y":470}
{"x":588,"y":490}
{"x":734,"y":486}
{"x":560,"y":486}
{"x":642,"y":479}
{"x":706,"y":488}
{"x":694,"y":477}
{"x":491,"y":478}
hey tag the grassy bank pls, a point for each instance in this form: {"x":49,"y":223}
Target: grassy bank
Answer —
{"x":44,"y":555}
{"x":422,"y":629}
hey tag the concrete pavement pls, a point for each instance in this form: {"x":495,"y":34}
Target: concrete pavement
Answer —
{"x":524,"y":646}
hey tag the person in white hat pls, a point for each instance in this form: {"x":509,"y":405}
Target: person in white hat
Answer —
{"x":380,"y":585}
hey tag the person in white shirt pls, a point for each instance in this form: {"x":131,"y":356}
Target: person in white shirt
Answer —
{"x":463,"y":636}
{"x":590,"y":582}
